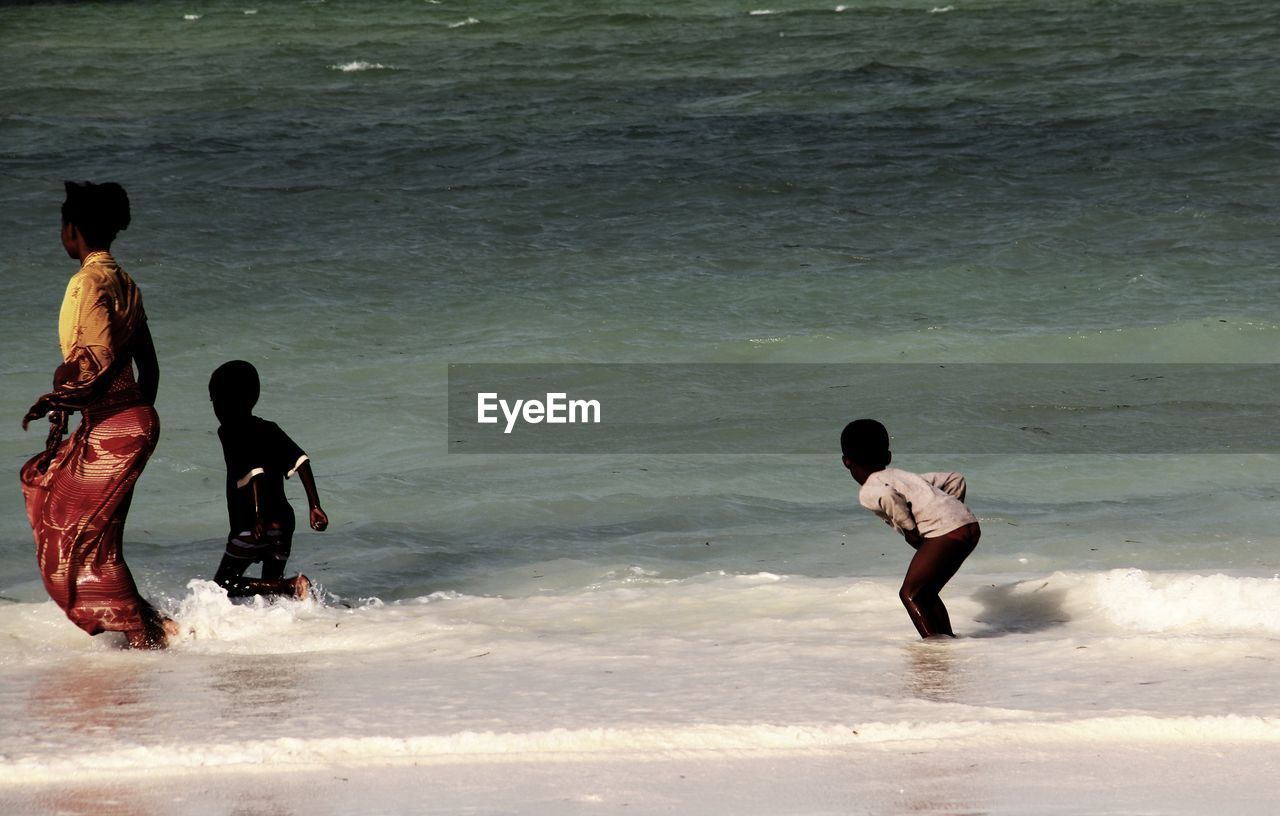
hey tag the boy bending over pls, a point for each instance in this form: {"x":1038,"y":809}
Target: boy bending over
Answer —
{"x":926,"y":508}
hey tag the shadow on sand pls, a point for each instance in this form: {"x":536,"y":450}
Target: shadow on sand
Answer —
{"x":1020,"y":607}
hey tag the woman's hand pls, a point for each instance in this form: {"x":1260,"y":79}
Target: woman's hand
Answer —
{"x":319,"y":520}
{"x":41,"y":408}
{"x":57,"y":428}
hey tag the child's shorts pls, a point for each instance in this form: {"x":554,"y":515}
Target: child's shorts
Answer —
{"x":274,"y":546}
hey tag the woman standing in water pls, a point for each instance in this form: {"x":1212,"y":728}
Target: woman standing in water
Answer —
{"x":78,"y":491}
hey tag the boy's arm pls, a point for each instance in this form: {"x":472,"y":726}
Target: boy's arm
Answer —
{"x":953,"y":484}
{"x":259,"y":526}
{"x":890,"y":505}
{"x":319,"y":520}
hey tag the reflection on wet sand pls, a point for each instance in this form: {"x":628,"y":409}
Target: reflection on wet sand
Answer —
{"x":87,"y":706}
{"x":96,"y":801}
{"x":261,"y":804}
{"x":942,"y":788}
{"x":261,"y":684}
{"x":943,"y":806}
{"x":143,"y":799}
{"x":935,"y":671}
{"x":932,"y":672}
{"x":91,"y":699}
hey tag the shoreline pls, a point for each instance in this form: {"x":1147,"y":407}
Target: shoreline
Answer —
{"x":1033,"y":777}
{"x":609,"y":745}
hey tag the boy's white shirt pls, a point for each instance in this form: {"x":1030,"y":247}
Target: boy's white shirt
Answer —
{"x":930,"y":503}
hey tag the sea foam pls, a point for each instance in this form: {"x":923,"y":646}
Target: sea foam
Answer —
{"x":1200,"y":604}
{"x":357,"y":66}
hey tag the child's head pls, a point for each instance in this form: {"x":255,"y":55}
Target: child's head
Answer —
{"x":865,"y":446}
{"x":233,"y":390}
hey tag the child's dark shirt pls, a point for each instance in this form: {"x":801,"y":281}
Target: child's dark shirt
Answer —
{"x":256,"y":449}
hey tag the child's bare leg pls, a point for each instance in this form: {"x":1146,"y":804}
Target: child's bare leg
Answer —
{"x":299,"y":586}
{"x":229,"y":569}
{"x":230,"y":576}
{"x":247,"y":587}
{"x":934,"y":564}
{"x":273,"y":568}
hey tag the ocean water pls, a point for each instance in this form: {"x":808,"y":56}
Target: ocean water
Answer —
{"x":356,"y":195}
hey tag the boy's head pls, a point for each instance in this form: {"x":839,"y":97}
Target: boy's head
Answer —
{"x":864,"y":444}
{"x":233,"y":390}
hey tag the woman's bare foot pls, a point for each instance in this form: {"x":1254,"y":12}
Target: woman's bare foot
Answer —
{"x":302,"y":587}
{"x":154,"y":635}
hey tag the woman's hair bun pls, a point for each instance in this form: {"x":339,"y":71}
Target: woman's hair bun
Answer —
{"x":99,"y":211}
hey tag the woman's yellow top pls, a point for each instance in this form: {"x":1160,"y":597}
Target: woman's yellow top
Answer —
{"x":101,"y":310}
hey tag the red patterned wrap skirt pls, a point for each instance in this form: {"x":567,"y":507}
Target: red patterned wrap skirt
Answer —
{"x":77,"y":511}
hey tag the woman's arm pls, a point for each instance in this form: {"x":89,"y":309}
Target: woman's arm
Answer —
{"x":76,"y":383}
{"x":92,"y":362}
{"x":144,"y":354}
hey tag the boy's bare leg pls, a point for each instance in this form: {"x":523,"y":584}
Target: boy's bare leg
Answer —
{"x":230,"y":568}
{"x":934,"y":564}
{"x":247,"y":587}
{"x":273,"y":568}
{"x":230,"y":576}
